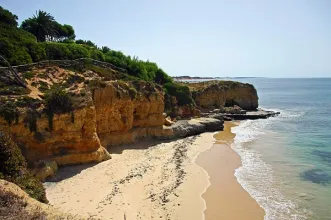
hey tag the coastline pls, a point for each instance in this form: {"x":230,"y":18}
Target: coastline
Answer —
{"x":153,"y":180}
{"x":225,"y":197}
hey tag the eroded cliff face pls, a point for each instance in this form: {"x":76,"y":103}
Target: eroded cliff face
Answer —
{"x":124,"y":116}
{"x":226,"y":93}
{"x":104,"y":112}
{"x":68,"y":143}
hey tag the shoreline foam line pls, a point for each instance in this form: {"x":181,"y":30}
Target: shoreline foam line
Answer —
{"x":266,"y":192}
{"x":226,"y":198}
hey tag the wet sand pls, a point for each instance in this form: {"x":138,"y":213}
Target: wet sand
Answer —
{"x":225,"y":197}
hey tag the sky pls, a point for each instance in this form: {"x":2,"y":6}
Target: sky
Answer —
{"x":216,"y":38}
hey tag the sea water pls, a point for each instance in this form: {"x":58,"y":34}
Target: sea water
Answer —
{"x":287,"y":159}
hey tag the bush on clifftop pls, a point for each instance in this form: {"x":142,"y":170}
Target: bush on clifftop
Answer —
{"x":56,"y":42}
{"x":57,"y":101}
{"x":182,"y":93}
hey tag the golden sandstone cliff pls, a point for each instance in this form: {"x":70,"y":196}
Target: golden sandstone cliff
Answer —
{"x":216,"y":94}
{"x":126,"y":112}
{"x":103,"y":112}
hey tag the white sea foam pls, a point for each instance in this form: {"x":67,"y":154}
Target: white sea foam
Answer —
{"x":256,"y":175}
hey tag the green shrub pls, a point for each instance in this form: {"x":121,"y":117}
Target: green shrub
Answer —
{"x":9,"y":112}
{"x":29,"y":102}
{"x":133,"y":93}
{"x":36,"y":51}
{"x":14,"y":54}
{"x":28,"y":75}
{"x":96,"y":83}
{"x":31,"y":119}
{"x":43,"y":86}
{"x":57,"y":51}
{"x":13,"y":168}
{"x":7,"y":17}
{"x":102,"y":72}
{"x":182,"y":93}
{"x":13,"y":90}
{"x":18,"y":46}
{"x":74,"y":79}
{"x":57,"y":102}
{"x":97,"y":55}
{"x":77,"y":51}
{"x":161,"y":77}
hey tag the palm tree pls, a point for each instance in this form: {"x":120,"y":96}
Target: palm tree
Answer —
{"x":41,"y":25}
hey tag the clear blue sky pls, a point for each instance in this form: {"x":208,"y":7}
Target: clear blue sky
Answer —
{"x":279,"y":38}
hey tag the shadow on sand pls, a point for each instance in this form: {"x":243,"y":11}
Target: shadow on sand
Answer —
{"x":72,"y":170}
{"x":69,"y":171}
{"x":140,"y":145}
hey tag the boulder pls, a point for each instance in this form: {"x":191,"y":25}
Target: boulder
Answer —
{"x":167,"y":121}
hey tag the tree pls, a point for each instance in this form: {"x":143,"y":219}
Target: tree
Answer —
{"x":7,"y":17}
{"x":42,"y":25}
{"x":86,"y":42}
{"x":161,"y":77}
{"x":105,"y":49}
{"x":63,"y":32}
{"x":70,"y":32}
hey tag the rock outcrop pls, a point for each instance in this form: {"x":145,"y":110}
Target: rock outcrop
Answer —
{"x":218,"y":94}
{"x":250,"y":115}
{"x":185,"y":128}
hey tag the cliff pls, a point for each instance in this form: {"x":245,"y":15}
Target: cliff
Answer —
{"x":215,"y":94}
{"x":128,"y":111}
{"x":69,"y":116}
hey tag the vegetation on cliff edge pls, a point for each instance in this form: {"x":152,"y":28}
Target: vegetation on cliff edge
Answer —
{"x":13,"y":168}
{"x":42,"y":37}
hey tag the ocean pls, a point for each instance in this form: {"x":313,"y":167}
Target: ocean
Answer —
{"x":287,"y":159}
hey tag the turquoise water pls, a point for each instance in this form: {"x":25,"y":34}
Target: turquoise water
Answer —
{"x":287,"y":159}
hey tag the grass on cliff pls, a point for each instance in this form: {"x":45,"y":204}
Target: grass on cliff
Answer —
{"x":13,"y":168}
{"x":182,"y":93}
{"x":196,"y":86}
{"x":9,"y":112}
{"x":57,"y":101}
{"x":9,"y":89}
{"x":12,"y":207}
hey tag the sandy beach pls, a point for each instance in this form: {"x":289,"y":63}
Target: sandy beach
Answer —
{"x":153,"y":180}
{"x":141,"y":181}
{"x":226,"y":198}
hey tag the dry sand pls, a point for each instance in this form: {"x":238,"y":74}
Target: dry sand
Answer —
{"x":225,"y":198}
{"x":142,"y":181}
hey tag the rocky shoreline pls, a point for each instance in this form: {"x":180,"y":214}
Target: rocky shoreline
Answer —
{"x":249,"y":115}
